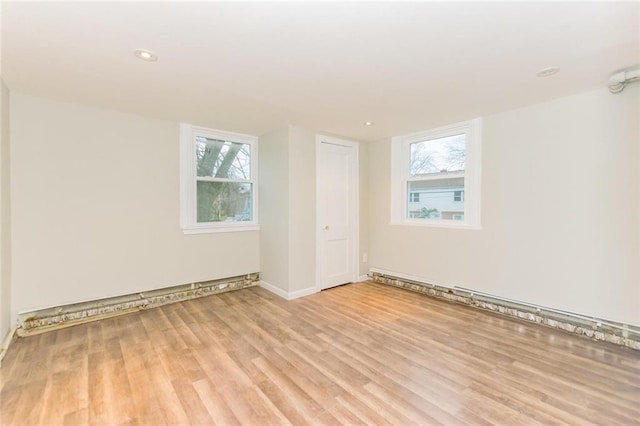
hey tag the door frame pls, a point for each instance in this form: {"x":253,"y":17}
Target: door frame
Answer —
{"x":356,"y":210}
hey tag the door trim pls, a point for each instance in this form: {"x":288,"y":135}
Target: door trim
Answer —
{"x":356,"y":211}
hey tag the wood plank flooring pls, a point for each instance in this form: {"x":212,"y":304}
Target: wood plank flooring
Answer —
{"x":357,"y":354}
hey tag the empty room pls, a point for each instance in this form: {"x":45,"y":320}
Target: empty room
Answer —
{"x":327,"y":213}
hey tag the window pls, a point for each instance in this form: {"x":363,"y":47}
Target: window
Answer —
{"x":442,"y":167}
{"x":218,"y":180}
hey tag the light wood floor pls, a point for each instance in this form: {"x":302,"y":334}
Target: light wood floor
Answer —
{"x":358,"y":354}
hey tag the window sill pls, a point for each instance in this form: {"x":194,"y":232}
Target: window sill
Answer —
{"x":217,"y":229}
{"x":438,"y":224}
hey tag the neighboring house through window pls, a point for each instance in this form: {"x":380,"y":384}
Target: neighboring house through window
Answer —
{"x":436,"y":177}
{"x":218,"y":180}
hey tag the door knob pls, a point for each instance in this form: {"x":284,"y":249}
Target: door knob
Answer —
{"x":326,"y":228}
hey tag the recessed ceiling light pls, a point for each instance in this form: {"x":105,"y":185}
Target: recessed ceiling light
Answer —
{"x":546,"y":72}
{"x":368,"y":123}
{"x":146,"y":55}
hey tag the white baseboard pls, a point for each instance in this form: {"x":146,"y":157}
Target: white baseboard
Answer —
{"x":273,"y":289}
{"x":301,"y":293}
{"x":285,"y":294}
{"x":362,"y":278}
{"x":6,"y":342}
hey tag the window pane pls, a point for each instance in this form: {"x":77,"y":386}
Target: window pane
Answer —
{"x":438,"y":156}
{"x":223,"y":159}
{"x":436,"y":199}
{"x":224,"y":202}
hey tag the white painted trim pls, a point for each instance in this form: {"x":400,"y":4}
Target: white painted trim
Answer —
{"x":6,"y":342}
{"x":452,"y":224}
{"x":356,"y":219}
{"x":223,"y":135}
{"x":319,"y":256}
{"x":216,"y":229}
{"x":273,"y":289}
{"x":472,"y":176}
{"x":302,"y":293}
{"x":285,"y":294}
{"x":363,"y":278}
{"x":188,"y":181}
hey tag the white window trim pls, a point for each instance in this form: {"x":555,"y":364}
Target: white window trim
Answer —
{"x":188,"y":178}
{"x":400,"y":151}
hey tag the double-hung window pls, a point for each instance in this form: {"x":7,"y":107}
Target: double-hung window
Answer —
{"x":436,"y":177}
{"x":218,"y":180}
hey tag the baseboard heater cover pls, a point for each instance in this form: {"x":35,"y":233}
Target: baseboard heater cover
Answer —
{"x":39,"y":321}
{"x":599,"y":329}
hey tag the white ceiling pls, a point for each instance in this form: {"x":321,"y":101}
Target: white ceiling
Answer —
{"x":255,"y":67}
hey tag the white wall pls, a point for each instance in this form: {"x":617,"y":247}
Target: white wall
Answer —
{"x":5,"y":215}
{"x":364,"y":206}
{"x":288,"y":210}
{"x":560,"y":210}
{"x":273,"y":203}
{"x":302,"y":208}
{"x":95,"y":208}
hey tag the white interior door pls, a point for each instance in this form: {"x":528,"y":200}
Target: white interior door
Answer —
{"x":337,"y":167}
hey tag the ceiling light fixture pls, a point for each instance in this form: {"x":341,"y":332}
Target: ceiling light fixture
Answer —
{"x":546,"y":72}
{"x":145,"y":55}
{"x":368,"y":123}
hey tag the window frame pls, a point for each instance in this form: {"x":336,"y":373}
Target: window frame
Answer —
{"x":189,"y":179}
{"x":400,"y":175}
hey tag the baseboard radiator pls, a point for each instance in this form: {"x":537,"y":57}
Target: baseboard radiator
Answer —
{"x":39,"y":321}
{"x":599,"y":329}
